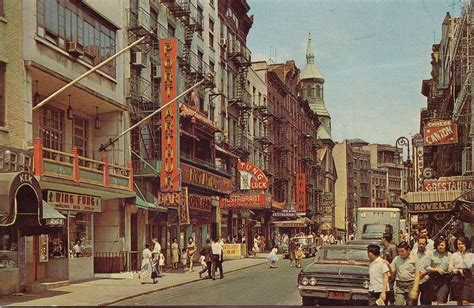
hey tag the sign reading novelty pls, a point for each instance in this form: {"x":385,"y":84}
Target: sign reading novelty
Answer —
{"x":251,"y":177}
{"x":74,"y":202}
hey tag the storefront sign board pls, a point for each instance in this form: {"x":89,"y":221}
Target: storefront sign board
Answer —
{"x":232,"y":250}
{"x":204,"y":179}
{"x":243,"y":200}
{"x":285,"y":213}
{"x":183,"y":209}
{"x":301,"y":192}
{"x":74,"y":202}
{"x":431,"y":207}
{"x":198,"y":202}
{"x":251,"y":177}
{"x":462,"y":183}
{"x":440,"y":132}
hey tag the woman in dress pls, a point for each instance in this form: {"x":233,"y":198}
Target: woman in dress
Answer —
{"x":272,"y":257}
{"x":147,"y":265}
{"x":190,"y":253}
{"x":175,"y":253}
{"x":255,"y":248}
{"x":460,"y":265}
{"x":438,"y":271}
{"x":299,"y":254}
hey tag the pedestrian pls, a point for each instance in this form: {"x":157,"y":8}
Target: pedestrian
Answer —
{"x":147,"y":264}
{"x":332,"y":239}
{"x":325,"y":239}
{"x":272,"y":257}
{"x":255,"y":247}
{"x":206,"y":252}
{"x":378,"y":276}
{"x":175,"y":253}
{"x":156,"y":255}
{"x":184,"y":259}
{"x":440,"y":278}
{"x":406,"y":272}
{"x":388,"y":254}
{"x":299,"y":254}
{"x":460,"y":266}
{"x":217,"y":256}
{"x":424,"y":257}
{"x":191,"y":249}
{"x":161,"y":263}
{"x":77,"y":249}
{"x":423,"y":232}
{"x":262,"y":243}
{"x":292,"y":251}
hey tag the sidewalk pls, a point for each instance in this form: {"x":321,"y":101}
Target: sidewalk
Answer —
{"x":101,"y":292}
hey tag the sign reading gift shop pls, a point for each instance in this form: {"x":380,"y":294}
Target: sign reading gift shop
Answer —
{"x":251,"y":177}
{"x":74,"y":202}
{"x":462,"y":183}
{"x":440,"y":132}
{"x":243,"y":200}
{"x":301,"y":192}
{"x":169,"y":176}
{"x":204,"y":179}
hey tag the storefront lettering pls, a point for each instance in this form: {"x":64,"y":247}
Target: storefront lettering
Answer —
{"x":74,"y":202}
{"x":200,"y":202}
{"x":243,"y":200}
{"x":447,"y":184}
{"x":432,"y":207}
{"x":169,"y":198}
{"x":25,"y":178}
{"x":256,"y":179}
{"x":198,"y":177}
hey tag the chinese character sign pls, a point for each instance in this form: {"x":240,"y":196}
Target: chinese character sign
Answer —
{"x":183,"y":208}
{"x":301,"y":192}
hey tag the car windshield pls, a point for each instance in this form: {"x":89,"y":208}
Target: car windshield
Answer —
{"x":343,"y":254}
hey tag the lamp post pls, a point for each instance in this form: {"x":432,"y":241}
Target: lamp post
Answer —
{"x":403,"y":141}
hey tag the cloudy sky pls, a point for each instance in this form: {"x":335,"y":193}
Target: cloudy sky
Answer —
{"x":373,"y":55}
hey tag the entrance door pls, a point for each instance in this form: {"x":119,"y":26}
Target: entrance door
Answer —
{"x":135,"y":256}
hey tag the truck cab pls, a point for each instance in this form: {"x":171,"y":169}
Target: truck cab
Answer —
{"x":372,"y":223}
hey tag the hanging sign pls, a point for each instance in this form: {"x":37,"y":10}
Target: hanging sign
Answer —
{"x":183,"y":209}
{"x":251,"y":177}
{"x":243,"y":200}
{"x":440,"y":132}
{"x":74,"y":202}
{"x":301,"y":192}
{"x":169,"y":176}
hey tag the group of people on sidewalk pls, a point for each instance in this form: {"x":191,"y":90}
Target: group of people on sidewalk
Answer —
{"x":428,"y":272}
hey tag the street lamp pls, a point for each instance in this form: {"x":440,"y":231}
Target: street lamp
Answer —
{"x":403,"y":141}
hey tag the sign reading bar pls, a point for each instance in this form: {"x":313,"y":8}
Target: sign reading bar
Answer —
{"x":431,"y":207}
{"x":198,"y":202}
{"x":440,"y":132}
{"x":172,"y":199}
{"x":169,"y":175}
{"x":462,"y":183}
{"x":204,"y":179}
{"x":251,"y":177}
{"x":243,"y":200}
{"x":301,"y":192}
{"x":74,"y":202}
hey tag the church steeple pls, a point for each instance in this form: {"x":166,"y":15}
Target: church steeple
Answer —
{"x":309,"y":51}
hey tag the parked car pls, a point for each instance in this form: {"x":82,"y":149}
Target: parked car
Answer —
{"x":339,"y":274}
{"x":307,"y":243}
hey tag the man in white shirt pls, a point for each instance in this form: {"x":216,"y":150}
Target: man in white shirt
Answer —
{"x":217,"y":254}
{"x":156,"y":255}
{"x":424,"y":258}
{"x":423,"y":231}
{"x":378,"y":276}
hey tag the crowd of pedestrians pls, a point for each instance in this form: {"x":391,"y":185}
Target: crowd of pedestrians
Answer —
{"x":428,"y":272}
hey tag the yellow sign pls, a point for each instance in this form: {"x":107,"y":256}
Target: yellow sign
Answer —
{"x":232,"y":250}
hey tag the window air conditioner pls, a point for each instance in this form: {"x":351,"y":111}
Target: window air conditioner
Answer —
{"x":139,"y":59}
{"x":157,"y":73}
{"x":75,"y":49}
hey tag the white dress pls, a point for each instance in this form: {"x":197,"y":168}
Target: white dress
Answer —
{"x":146,"y":268}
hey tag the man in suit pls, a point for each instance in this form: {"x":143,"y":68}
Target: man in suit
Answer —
{"x":206,"y":251}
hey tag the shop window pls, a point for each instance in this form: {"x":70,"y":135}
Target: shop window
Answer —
{"x":80,"y":235}
{"x":8,"y":248}
{"x":57,"y":243}
{"x":52,"y":128}
{"x":80,"y":135}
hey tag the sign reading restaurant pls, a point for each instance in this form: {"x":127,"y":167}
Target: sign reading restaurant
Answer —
{"x":440,"y":132}
{"x":243,"y":200}
{"x":74,"y":202}
{"x":462,"y":183}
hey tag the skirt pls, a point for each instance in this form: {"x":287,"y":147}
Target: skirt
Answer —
{"x":272,"y":258}
{"x":461,"y":287}
{"x":146,"y":268}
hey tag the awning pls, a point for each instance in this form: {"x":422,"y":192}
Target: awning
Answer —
{"x":187,"y":111}
{"x":218,"y":148}
{"x":297,"y":223}
{"x":149,"y":206}
{"x":51,"y":216}
{"x":431,"y":201}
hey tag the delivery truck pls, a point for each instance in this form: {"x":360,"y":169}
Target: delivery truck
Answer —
{"x":372,"y":223}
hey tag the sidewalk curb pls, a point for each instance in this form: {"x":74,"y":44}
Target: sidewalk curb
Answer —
{"x":173,"y":286}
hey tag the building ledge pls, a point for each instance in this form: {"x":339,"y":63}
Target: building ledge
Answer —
{"x":3,"y":20}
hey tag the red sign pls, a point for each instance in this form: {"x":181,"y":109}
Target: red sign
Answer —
{"x":462,"y":183}
{"x":301,"y":192}
{"x":183,"y":209}
{"x":169,"y":176}
{"x":204,"y":179}
{"x":243,"y":200}
{"x":199,"y":202}
{"x":251,"y":177}
{"x":440,"y":132}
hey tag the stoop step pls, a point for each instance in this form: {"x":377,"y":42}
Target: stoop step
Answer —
{"x":43,"y":286}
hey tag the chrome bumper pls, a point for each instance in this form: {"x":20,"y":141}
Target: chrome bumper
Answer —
{"x":322,"y":292}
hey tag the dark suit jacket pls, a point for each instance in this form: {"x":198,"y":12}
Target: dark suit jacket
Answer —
{"x":206,"y":251}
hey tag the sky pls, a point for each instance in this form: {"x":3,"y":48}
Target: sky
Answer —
{"x":373,"y":55}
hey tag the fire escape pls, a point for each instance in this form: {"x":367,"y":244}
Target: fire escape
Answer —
{"x":265,"y":111}
{"x":239,"y":54}
{"x":282,"y":150}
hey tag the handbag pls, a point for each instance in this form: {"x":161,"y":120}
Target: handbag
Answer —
{"x":154,"y":274}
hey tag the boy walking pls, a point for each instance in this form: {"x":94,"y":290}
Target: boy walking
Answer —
{"x":378,"y":276}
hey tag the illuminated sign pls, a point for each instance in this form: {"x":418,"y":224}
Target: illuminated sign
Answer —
{"x":463,"y":183}
{"x":169,"y":176}
{"x":171,"y":199}
{"x":74,"y":202}
{"x":440,"y":132}
{"x":301,"y":192}
{"x":243,"y":200}
{"x":251,"y":177}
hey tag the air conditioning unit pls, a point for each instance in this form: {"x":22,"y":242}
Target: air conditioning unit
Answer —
{"x":75,"y":49}
{"x":139,"y":59}
{"x":223,"y":42}
{"x":157,"y":73}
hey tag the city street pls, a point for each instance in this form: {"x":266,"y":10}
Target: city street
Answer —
{"x":253,"y":286}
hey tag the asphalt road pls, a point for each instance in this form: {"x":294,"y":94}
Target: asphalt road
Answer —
{"x":258,"y":285}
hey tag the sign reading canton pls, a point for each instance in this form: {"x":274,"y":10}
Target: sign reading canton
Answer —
{"x":301,"y":192}
{"x":183,"y":209}
{"x":251,"y":177}
{"x":169,"y":176}
{"x":440,"y":132}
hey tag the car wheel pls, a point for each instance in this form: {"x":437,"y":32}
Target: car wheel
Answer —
{"x":307,"y":301}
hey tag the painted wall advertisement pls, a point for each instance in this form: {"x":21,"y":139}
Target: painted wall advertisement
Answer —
{"x":170,"y":118}
{"x":301,"y":192}
{"x":440,"y":132}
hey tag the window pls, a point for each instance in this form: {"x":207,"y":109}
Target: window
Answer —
{"x":2,"y":12}
{"x":8,"y":246}
{"x":52,"y":127}
{"x":212,"y":108}
{"x":80,"y":135}
{"x":171,"y":30}
{"x":80,"y":234}
{"x":2,"y":93}
{"x":211,"y":33}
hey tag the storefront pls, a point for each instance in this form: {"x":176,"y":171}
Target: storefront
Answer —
{"x":24,"y":216}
